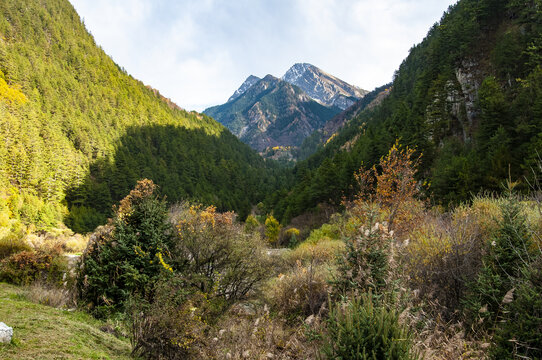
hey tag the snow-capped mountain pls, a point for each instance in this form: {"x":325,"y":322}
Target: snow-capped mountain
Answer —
{"x":251,"y":80}
{"x":323,"y":87}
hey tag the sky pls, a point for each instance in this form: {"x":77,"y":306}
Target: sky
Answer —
{"x":198,"y":52}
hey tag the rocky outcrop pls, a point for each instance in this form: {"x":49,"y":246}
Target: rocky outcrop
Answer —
{"x":469,"y":78}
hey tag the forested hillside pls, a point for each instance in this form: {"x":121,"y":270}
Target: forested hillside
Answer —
{"x":468,"y":98}
{"x":78,"y":132}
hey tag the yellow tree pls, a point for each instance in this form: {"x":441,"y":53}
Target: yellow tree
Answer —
{"x":394,"y":187}
{"x":272,"y":229}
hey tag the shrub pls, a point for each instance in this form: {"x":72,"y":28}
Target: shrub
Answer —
{"x":11,"y":244}
{"x":393,"y":188}
{"x":291,"y":237}
{"x":324,"y":251}
{"x":216,"y":254}
{"x":359,"y":329}
{"x":25,"y":267}
{"x":441,"y":257}
{"x":365,"y":264}
{"x":325,"y":232}
{"x":172,"y":325}
{"x":213,"y":263}
{"x":301,"y":292}
{"x":272,"y":230}
{"x":128,"y":255}
{"x":519,"y":333}
{"x":508,"y":253}
{"x":251,"y":224}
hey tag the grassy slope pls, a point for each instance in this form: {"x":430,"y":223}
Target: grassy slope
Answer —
{"x":43,"y":332}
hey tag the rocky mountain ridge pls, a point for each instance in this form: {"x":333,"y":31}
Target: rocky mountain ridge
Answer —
{"x":251,"y":80}
{"x":272,"y":112}
{"x":323,"y":87}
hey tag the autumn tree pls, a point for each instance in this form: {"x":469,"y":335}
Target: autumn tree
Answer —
{"x":392,"y":185}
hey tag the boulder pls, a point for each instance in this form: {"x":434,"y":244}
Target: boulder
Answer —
{"x":6,"y":333}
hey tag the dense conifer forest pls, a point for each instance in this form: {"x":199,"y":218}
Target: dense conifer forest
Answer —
{"x":79,"y":131}
{"x":468,"y":98}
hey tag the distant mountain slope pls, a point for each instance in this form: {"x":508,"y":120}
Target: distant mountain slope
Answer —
{"x":333,"y":126}
{"x":469,"y":98}
{"x":323,"y":87}
{"x":271,"y":113}
{"x":66,"y":111}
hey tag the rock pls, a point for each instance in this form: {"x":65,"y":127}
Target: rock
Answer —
{"x":246,"y":354}
{"x":309,"y":320}
{"x":6,"y":333}
{"x":244,"y":309}
{"x":269,"y":356}
{"x":221,"y":332}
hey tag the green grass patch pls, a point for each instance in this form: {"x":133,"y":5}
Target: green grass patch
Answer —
{"x":43,"y":332}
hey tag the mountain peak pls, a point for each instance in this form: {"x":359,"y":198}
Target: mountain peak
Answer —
{"x":323,"y":87}
{"x":251,"y":80}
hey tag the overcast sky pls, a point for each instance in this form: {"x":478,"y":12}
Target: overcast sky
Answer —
{"x":198,"y":52}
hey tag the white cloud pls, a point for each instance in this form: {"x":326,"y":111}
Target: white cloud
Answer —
{"x":198,"y":52}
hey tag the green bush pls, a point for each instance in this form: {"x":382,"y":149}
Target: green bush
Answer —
{"x":127,"y":256}
{"x":365,"y":264}
{"x":508,"y":252}
{"x":361,"y":330}
{"x":519,"y":334}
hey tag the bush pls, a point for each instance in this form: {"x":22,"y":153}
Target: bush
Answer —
{"x":128,"y":255}
{"x":216,"y":253}
{"x":172,"y":325}
{"x":11,"y":244}
{"x":507,"y":254}
{"x":272,"y":230}
{"x":323,"y":252}
{"x":519,"y":334}
{"x":291,"y":237}
{"x":299,"y":293}
{"x":365,"y":263}
{"x":360,"y":330}
{"x":251,"y":224}
{"x":442,"y":256}
{"x":26,"y":267}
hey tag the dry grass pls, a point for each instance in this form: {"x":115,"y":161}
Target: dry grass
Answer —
{"x":58,"y":297}
{"x":321,"y":252}
{"x":260,"y":336}
{"x":447,"y":341}
{"x":301,"y":292}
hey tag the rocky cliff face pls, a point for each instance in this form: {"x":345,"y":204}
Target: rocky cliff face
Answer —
{"x":270,"y":113}
{"x":323,"y":87}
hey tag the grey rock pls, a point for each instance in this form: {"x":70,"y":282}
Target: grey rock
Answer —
{"x":6,"y":333}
